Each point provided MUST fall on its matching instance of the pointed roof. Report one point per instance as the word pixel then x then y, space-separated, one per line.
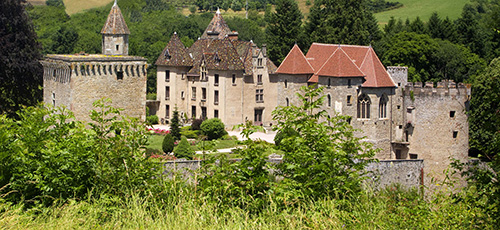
pixel 340 65
pixel 216 27
pixel 376 75
pixel 174 54
pixel 295 63
pixel 115 24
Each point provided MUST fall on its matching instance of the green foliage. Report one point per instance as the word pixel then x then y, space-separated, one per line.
pixel 248 129
pixel 342 22
pixel 168 144
pixel 191 134
pixel 151 96
pixel 284 29
pixel 195 125
pixel 322 159
pixel 20 71
pixel 175 129
pixel 213 128
pixel 46 155
pixel 247 30
pixel 382 5
pixel 152 120
pixel 282 134
pixel 184 150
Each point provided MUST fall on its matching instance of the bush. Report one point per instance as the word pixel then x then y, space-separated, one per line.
pixel 175 129
pixel 152 120
pixel 196 124
pixel 213 128
pixel 191 134
pixel 151 96
pixel 184 150
pixel 168 143
pixel 282 134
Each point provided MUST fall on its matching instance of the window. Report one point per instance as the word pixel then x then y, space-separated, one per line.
pixel 216 79
pixel 117 47
pixel 399 84
pixel 259 62
pixel 329 83
pixel 193 93
pixel 455 134
pixel 167 93
pixel 203 71
pixel 382 107
pixel 329 100
pixel 349 83
pixel 167 75
pixel 286 83
pixel 53 99
pixel 398 154
pixel 259 79
pixel 216 113
pixel 287 102
pixel 203 112
pixel 216 97
pixel 203 94
pixel 364 106
pixel 193 111
pixel 349 100
pixel 119 75
pixel 233 80
pixel 399 107
pixel 452 113
pixel 413 156
pixel 258 117
pixel 259 95
pixel 167 111
pixel 182 95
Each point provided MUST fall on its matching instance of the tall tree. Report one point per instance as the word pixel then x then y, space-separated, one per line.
pixel 283 29
pixel 435 26
pixel 484 116
pixel 472 34
pixel 20 71
pixel 342 21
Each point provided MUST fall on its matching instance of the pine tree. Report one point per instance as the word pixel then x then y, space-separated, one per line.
pixel 435 26
pixel 417 26
pixel 342 21
pixel 283 30
pixel 175 130
pixel 168 143
pixel 20 70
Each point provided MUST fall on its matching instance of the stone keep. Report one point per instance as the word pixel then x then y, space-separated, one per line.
pixel 76 81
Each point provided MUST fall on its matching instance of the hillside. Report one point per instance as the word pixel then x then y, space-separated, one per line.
pixel 424 9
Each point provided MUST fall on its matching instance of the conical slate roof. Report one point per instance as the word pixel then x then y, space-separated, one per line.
pixel 115 24
pixel 216 26
pixel 175 54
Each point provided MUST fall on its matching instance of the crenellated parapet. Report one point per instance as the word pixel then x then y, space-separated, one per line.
pixel 443 88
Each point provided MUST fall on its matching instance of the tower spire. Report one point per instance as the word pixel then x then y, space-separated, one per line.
pixel 115 3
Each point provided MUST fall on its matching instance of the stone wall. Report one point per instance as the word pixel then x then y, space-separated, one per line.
pixel 407 173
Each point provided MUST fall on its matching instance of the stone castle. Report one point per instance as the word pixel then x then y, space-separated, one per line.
pixel 221 76
pixel 76 81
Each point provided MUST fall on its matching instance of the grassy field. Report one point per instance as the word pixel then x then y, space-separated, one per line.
pixel 75 6
pixel 423 9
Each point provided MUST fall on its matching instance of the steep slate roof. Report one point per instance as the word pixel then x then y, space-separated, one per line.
pixel 218 54
pixel 174 54
pixel 115 24
pixel 217 25
pixel 295 63
pixel 343 61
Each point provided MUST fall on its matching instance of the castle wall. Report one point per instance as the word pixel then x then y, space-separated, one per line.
pixel 437 126
pixel 110 43
pixel 56 84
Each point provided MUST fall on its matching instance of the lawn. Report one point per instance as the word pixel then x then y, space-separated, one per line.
pixel 155 142
pixel 423 8
pixel 75 6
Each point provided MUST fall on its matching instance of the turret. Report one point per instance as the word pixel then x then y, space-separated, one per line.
pixel 115 33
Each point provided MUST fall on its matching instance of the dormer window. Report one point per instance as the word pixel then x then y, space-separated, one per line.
pixel 203 72
pixel 167 55
pixel 217 59
pixel 259 62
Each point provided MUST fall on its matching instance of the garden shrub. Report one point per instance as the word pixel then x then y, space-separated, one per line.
pixel 213 128
pixel 175 129
pixel 152 120
pixel 195 125
pixel 184 150
pixel 168 143
pixel 191 134
pixel 282 134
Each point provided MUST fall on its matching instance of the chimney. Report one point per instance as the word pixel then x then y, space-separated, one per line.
pixel 264 50
pixel 233 35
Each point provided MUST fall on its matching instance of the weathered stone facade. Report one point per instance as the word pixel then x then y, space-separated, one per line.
pixel 77 81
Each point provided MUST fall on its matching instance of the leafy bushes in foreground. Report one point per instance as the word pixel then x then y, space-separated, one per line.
pixel 45 155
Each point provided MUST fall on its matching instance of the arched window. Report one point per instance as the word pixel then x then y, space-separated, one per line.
pixel 287 102
pixel 329 100
pixel 286 83
pixel 382 107
pixel 364 106
pixel 329 82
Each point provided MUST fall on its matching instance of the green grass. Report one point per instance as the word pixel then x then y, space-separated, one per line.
pixel 155 142
pixel 423 8
pixel 75 6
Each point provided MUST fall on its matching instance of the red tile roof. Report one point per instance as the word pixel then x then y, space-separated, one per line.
pixel 115 24
pixel 339 61
pixel 339 65
pixel 295 63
